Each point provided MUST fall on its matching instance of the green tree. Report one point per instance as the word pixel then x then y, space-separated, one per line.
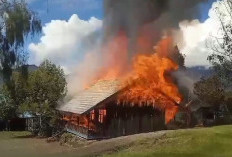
pixel 46 86
pixel 10 101
pixel 18 88
pixel 17 22
pixel 210 91
pixel 7 108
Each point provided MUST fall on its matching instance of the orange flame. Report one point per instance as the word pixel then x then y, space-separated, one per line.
pixel 115 60
pixel 150 83
pixel 170 113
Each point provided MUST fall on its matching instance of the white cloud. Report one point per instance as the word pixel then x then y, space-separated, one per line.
pixel 72 44
pixel 196 35
pixel 64 42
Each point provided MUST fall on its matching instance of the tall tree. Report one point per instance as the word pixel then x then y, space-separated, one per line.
pixel 221 58
pixel 12 98
pixel 17 22
pixel 221 45
pixel 210 91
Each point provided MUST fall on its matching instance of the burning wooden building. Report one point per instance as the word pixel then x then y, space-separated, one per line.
pixel 96 113
pixel 145 99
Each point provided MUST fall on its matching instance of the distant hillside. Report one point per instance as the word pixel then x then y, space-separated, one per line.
pixel 199 71
pixel 32 68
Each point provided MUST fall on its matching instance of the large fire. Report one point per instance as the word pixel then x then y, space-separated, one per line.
pixel 150 84
pixel 148 81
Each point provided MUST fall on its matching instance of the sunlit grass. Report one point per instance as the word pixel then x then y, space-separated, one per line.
pixel 207 142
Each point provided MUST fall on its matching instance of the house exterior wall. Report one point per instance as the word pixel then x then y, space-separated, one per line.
pixel 125 120
pixel 118 120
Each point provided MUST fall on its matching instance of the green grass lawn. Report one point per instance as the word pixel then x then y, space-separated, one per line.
pixel 206 142
pixel 202 142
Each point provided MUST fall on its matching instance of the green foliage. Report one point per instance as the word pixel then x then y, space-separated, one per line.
pixel 7 108
pixel 72 140
pixel 17 22
pixel 210 91
pixel 38 95
pixel 47 85
pixel 228 100
pixel 20 22
pixel 44 88
pixel 13 95
pixel 17 88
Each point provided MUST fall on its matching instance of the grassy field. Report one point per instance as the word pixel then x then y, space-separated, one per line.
pixel 204 142
pixel 207 142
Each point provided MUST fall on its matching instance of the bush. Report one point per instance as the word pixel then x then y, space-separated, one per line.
pixel 72 140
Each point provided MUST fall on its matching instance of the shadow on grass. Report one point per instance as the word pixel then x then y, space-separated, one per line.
pixel 24 136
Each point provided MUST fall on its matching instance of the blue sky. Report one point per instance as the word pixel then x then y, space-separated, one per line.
pixel 63 9
pixel 205 9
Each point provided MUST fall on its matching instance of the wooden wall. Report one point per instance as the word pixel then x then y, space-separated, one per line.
pixel 126 120
pixel 120 120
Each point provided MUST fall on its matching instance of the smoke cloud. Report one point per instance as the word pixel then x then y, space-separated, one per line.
pixel 149 21
pixel 134 17
pixel 77 45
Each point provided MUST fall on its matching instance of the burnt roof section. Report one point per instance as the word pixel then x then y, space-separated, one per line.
pixel 91 97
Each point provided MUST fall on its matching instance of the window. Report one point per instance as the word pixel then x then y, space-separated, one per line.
pixel 92 115
pixel 102 114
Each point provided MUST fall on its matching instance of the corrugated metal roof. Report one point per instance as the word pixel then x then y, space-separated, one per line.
pixel 91 96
